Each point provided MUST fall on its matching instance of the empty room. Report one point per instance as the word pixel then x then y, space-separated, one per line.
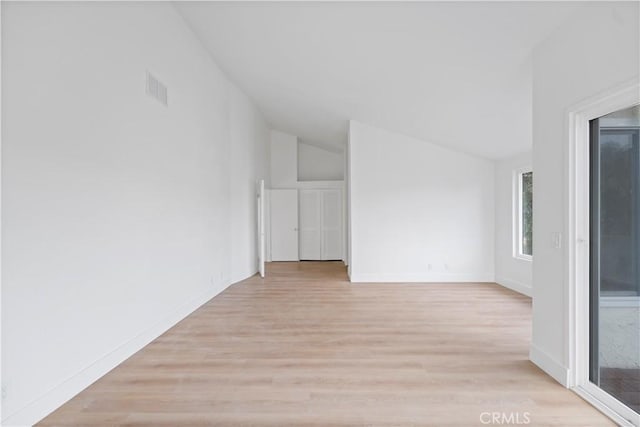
pixel 320 213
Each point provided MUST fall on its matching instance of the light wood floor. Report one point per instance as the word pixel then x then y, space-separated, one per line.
pixel 306 348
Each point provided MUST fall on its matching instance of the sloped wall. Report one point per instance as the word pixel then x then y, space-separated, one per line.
pixel 318 164
pixel 120 215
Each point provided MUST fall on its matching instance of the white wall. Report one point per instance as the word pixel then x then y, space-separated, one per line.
pixel 514 273
pixel 416 205
pixel 318 164
pixel 594 51
pixel 248 139
pixel 284 159
pixel 120 215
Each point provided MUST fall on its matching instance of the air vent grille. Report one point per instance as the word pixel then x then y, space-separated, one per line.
pixel 156 89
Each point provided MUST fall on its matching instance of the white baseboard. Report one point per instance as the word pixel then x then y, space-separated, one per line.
pixel 548 364
pixel 243 276
pixel 515 286
pixel 56 397
pixel 420 278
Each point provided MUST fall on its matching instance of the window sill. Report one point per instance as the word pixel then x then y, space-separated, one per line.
pixel 528 258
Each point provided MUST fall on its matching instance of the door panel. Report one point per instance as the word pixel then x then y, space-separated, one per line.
pixel 310 233
pixel 331 225
pixel 261 231
pixel 614 340
pixel 284 225
pixel 321 224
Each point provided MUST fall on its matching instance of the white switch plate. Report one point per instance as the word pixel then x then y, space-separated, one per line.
pixel 556 240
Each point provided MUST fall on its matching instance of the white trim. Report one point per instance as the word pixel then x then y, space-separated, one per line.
pixel 260 205
pixel 523 257
pixel 514 285
pixel 548 364
pixel 419 278
pixel 54 398
pixel 348 186
pixel 577 248
pixel 2 388
pixel 311 185
pixel 604 402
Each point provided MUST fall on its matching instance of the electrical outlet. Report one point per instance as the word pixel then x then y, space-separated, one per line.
pixel 4 392
pixel 429 267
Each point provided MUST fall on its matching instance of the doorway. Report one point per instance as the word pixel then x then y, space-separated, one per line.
pixel 604 254
pixel 614 283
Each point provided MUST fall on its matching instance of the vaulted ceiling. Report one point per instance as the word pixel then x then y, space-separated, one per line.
pixel 453 73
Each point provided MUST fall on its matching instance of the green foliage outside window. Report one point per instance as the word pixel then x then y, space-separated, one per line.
pixel 527 213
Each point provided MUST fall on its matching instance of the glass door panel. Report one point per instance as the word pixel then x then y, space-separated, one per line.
pixel 614 362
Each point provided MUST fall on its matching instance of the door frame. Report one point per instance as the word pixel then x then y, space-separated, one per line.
pixel 578 252
pixel 261 228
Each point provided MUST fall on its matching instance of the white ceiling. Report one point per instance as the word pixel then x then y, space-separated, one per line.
pixel 457 74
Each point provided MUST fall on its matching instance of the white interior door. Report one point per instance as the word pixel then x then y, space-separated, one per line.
pixel 261 232
pixel 321 224
pixel 331 224
pixel 310 220
pixel 284 225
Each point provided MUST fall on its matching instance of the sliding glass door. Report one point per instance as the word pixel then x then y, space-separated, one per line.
pixel 614 315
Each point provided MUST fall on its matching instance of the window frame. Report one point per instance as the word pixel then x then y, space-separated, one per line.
pixel 517 217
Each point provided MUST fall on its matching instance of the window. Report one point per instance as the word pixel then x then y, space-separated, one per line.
pixel 523 220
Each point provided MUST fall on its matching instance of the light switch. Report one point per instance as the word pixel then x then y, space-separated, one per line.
pixel 556 240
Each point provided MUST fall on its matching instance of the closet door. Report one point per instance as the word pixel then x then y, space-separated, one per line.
pixel 331 224
pixel 310 222
pixel 261 224
pixel 284 225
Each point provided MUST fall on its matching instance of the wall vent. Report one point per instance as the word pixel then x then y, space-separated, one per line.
pixel 156 89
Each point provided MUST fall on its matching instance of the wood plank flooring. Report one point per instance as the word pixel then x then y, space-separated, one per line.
pixel 306 348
